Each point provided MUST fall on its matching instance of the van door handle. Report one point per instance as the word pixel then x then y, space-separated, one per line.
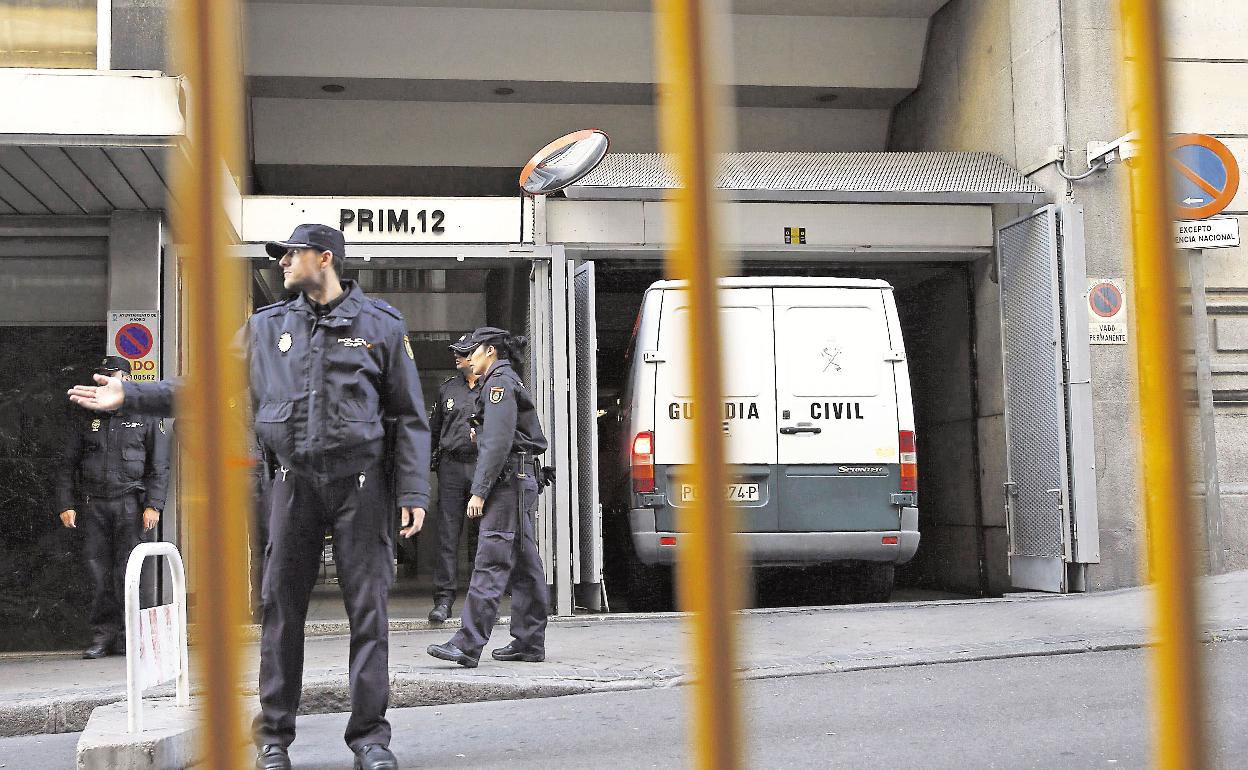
pixel 788 431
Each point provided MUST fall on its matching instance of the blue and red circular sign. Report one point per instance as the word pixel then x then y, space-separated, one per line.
pixel 1105 300
pixel 1204 175
pixel 133 341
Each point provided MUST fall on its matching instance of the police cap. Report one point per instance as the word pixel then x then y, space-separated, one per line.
pixel 462 346
pixel 319 237
pixel 486 335
pixel 110 364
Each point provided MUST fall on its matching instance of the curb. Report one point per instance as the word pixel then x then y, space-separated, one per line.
pixel 321 628
pixel 331 694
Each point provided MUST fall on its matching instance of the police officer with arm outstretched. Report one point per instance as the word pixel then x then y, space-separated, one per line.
pixel 455 460
pixel 504 497
pixel 328 367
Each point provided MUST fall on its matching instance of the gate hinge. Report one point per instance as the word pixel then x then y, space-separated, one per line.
pixel 1011 489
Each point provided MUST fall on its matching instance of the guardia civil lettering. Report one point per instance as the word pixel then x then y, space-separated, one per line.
pixel 733 410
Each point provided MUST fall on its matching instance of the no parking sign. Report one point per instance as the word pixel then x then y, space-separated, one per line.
pixel 136 337
pixel 1107 312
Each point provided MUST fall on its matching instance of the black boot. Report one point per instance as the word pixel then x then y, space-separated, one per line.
pixel 440 613
pixel 514 653
pixel 272 757
pixel 452 653
pixel 374 756
pixel 97 650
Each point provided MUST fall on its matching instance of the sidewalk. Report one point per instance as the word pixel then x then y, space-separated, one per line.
pixel 611 652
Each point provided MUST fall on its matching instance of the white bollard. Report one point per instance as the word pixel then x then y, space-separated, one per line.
pixel 134 569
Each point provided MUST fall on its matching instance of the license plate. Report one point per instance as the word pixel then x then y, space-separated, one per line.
pixel 735 493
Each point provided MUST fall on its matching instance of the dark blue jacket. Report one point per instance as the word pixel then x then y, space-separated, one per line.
pixel 509 425
pixel 110 454
pixel 448 423
pixel 154 398
pixel 322 387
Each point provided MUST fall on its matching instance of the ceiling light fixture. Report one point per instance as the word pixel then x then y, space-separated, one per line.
pixel 333 88
pixel 504 91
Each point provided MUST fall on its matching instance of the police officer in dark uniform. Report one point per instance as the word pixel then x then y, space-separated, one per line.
pixel 504 497
pixel 120 463
pixel 327 367
pixel 455 460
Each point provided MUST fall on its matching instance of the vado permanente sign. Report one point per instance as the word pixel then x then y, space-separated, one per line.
pixel 136 337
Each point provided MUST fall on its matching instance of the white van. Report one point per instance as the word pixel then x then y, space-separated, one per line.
pixel 818 423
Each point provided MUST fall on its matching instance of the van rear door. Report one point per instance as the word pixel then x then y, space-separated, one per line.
pixel 748 413
pixel 837 403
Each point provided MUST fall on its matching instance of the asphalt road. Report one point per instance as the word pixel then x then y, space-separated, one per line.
pixel 1063 711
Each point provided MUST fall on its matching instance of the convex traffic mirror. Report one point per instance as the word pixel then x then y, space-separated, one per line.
pixel 565 161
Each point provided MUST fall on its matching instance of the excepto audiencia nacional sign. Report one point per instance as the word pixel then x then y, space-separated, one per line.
pixel 1215 233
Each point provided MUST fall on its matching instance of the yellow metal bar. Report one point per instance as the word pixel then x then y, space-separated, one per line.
pixel 1177 700
pixel 212 402
pixel 710 567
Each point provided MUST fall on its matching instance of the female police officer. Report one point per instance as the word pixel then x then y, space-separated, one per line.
pixel 504 497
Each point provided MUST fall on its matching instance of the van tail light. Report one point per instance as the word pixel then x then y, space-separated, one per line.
pixel 909 461
pixel 643 462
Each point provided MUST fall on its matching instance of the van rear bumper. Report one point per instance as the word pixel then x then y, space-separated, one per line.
pixel 780 548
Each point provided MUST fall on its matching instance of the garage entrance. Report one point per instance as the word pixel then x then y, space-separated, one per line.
pixel 570 272
pixel 935 303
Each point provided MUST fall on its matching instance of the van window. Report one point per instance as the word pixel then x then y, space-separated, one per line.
pixel 840 351
pixel 744 329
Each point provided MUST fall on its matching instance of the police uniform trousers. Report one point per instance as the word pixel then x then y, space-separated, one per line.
pixel 507 551
pixel 112 527
pixel 454 491
pixel 357 510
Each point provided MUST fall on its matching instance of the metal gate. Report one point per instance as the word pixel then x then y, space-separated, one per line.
pixel 559 373
pixel 1050 473
pixel 589 508
pixel 541 384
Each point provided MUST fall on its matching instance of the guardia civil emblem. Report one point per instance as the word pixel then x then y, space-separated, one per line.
pixel 285 341
pixel 450 404
pixel 496 395
pixel 95 425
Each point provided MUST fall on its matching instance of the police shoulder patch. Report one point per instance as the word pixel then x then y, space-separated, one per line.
pixel 161 424
pixel 407 345
pixel 496 394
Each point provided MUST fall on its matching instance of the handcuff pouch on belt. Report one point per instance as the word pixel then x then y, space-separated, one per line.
pixel 526 463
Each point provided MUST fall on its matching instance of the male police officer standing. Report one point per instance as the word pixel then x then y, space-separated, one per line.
pixel 327 367
pixel 504 497
pixel 455 460
pixel 121 461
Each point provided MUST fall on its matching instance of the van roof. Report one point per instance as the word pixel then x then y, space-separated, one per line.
pixel 775 281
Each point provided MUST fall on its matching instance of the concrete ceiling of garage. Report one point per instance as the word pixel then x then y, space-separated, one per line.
pixel 428 97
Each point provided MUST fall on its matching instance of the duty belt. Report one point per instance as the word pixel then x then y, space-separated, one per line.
pixel 461 456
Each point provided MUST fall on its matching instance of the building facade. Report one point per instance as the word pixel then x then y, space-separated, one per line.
pixel 909 139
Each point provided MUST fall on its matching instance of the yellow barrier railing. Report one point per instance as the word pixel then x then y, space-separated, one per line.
pixel 710 568
pixel 206 36
pixel 1176 698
